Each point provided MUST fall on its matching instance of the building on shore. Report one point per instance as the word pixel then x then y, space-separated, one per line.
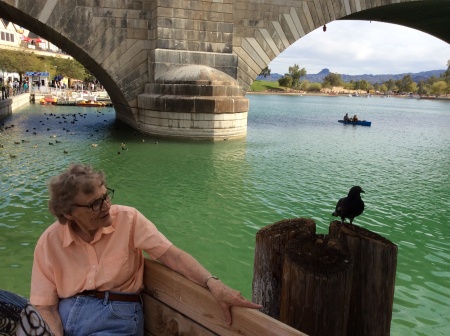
pixel 16 38
pixel 13 36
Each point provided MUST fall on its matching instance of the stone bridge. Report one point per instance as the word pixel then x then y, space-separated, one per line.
pixel 181 68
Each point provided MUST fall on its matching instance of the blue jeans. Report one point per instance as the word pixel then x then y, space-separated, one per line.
pixel 84 315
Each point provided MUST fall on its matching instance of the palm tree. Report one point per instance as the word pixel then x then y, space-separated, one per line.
pixel 296 73
pixel 265 72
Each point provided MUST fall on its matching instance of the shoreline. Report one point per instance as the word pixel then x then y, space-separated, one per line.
pixel 327 94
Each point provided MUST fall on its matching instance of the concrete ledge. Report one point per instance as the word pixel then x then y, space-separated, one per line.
pixel 195 134
pixel 20 100
pixel 194 126
pixel 5 108
pixel 8 106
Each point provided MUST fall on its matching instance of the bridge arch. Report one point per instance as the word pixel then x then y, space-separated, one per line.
pixel 129 45
pixel 65 39
pixel 272 28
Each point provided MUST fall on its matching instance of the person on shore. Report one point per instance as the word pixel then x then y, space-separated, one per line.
pixel 3 88
pixel 346 117
pixel 10 89
pixel 88 266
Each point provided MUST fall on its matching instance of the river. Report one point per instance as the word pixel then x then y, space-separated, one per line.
pixel 211 198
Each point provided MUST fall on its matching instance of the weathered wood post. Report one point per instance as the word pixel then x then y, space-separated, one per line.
pixel 316 286
pixel 271 242
pixel 375 264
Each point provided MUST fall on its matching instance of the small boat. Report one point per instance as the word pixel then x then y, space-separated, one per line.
pixel 90 103
pixel 48 99
pixel 359 122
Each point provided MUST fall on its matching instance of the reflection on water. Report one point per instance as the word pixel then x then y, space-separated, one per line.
pixel 211 199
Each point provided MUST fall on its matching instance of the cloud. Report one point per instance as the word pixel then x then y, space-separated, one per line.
pixel 363 47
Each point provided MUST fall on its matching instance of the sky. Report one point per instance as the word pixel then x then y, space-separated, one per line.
pixel 364 47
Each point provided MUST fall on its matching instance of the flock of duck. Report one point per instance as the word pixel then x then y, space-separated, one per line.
pixel 50 118
pixel 63 119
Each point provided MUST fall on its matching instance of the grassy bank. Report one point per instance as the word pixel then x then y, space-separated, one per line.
pixel 261 86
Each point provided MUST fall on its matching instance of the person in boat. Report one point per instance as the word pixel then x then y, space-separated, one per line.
pixel 355 118
pixel 346 117
pixel 88 265
pixel 19 317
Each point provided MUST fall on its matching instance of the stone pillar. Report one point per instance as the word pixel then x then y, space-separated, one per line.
pixel 194 102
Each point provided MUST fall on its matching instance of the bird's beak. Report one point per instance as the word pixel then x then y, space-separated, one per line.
pixel 362 191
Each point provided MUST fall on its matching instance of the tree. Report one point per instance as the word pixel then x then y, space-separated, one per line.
pixel 265 72
pixel 285 81
pixel 305 85
pixel 362 85
pixel 332 79
pixel 439 88
pixel 406 84
pixel 446 76
pixel 398 85
pixel 432 80
pixel 296 73
pixel 315 87
pixel 27 62
pixel 413 87
pixel 349 85
pixel 423 88
pixel 390 84
pixel 67 68
pixel 5 63
pixel 20 62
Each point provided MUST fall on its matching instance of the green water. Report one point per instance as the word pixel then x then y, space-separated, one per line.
pixel 211 199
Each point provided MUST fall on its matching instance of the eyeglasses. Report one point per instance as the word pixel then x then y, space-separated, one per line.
pixel 98 203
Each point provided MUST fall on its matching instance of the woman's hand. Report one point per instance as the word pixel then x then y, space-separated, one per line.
pixel 227 297
pixel 182 262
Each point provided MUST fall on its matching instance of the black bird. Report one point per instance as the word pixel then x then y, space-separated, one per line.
pixel 350 206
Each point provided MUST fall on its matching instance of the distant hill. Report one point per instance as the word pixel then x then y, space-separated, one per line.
pixel 318 78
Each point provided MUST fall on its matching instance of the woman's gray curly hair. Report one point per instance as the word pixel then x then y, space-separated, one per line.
pixel 66 186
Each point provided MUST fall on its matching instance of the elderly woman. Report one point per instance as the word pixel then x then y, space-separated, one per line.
pixel 88 265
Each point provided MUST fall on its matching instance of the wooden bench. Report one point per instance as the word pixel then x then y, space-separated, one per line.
pixel 174 305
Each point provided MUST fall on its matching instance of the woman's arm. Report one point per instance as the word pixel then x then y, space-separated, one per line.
pixel 51 316
pixel 185 264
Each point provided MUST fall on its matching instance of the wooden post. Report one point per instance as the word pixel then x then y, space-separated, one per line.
pixel 316 286
pixel 375 264
pixel 271 243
